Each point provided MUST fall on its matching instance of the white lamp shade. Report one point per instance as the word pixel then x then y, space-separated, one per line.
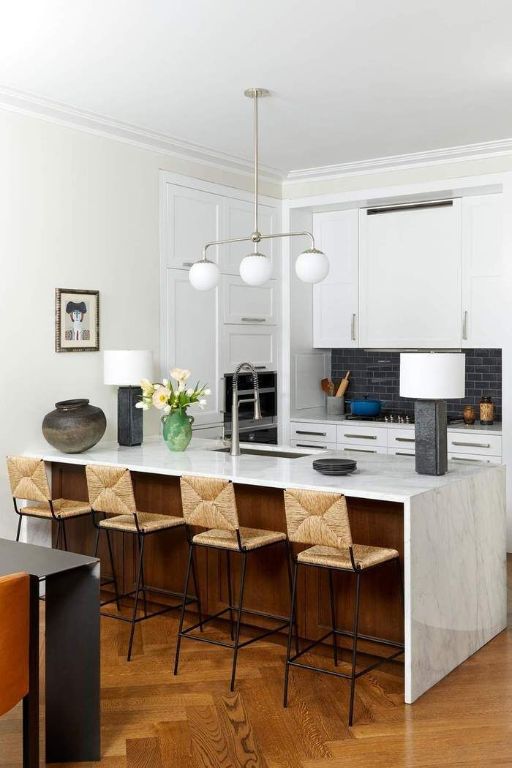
pixel 255 269
pixel 127 367
pixel 204 275
pixel 312 266
pixel 432 375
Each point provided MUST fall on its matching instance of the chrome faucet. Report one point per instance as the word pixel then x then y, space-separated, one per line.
pixel 235 437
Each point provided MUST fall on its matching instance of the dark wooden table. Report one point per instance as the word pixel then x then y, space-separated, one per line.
pixel 72 646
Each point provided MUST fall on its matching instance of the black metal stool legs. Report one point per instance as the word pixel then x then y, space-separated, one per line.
pixel 293 619
pixel 183 606
pixel 138 589
pixel 19 528
pixel 354 648
pixel 333 619
pixel 114 577
pixel 238 619
pixel 230 595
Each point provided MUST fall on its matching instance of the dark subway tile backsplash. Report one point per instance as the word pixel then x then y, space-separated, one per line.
pixel 377 374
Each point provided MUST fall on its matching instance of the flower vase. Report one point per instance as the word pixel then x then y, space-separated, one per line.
pixel 177 430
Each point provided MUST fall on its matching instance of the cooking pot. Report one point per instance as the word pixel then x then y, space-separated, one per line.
pixel 365 407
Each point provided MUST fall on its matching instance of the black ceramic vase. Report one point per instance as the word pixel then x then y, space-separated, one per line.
pixel 74 426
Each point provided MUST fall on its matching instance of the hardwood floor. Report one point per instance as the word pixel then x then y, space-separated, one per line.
pixel 154 720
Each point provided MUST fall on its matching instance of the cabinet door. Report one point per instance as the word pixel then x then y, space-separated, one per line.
pixel 240 223
pixel 249 304
pixel 193 219
pixel 482 268
pixel 252 344
pixel 191 338
pixel 410 277
pixel 335 299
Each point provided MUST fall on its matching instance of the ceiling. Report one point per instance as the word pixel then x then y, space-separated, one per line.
pixel 351 80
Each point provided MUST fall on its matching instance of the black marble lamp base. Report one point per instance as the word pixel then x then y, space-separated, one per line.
pixel 129 418
pixel 431 437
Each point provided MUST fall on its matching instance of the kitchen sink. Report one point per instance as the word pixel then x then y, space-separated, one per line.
pixel 258 452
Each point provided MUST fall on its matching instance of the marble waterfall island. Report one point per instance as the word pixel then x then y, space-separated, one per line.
pixel 449 530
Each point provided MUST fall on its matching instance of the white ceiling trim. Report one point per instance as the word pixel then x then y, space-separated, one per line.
pixel 55 112
pixel 90 122
pixel 401 162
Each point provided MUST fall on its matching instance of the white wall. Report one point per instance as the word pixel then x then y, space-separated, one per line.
pixel 76 211
pixel 307 365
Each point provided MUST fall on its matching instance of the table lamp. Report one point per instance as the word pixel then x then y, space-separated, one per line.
pixel 125 368
pixel 431 378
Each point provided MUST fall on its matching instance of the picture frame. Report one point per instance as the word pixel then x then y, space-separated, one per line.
pixel 77 320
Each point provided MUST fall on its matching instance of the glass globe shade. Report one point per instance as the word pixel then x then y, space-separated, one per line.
pixel 204 275
pixel 255 269
pixel 312 266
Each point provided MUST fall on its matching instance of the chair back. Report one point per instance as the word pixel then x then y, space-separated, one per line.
pixel 110 490
pixel 14 639
pixel 28 479
pixel 314 517
pixel 209 502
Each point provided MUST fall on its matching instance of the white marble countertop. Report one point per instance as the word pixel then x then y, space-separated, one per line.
pixel 379 476
pixel 319 414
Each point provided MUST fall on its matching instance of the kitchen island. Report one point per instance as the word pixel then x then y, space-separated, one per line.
pixel 449 531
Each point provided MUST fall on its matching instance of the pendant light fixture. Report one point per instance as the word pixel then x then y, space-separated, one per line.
pixel 312 265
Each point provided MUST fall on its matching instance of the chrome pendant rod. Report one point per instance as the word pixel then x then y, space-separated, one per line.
pixel 256 161
pixel 257 240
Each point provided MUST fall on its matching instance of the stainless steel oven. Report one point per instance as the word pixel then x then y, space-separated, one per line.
pixel 261 431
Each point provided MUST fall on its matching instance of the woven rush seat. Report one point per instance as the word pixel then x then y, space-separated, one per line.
pixel 147 522
pixel 61 507
pixel 252 538
pixel 29 483
pixel 331 557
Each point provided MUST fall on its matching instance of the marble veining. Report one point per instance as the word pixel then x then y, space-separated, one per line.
pixel 456 576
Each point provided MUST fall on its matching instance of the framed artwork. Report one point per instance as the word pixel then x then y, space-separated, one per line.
pixel 77 320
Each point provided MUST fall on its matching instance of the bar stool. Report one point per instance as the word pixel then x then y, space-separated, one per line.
pixel 111 495
pixel 28 481
pixel 210 503
pixel 322 519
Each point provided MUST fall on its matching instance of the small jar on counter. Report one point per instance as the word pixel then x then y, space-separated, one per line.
pixel 469 414
pixel 486 410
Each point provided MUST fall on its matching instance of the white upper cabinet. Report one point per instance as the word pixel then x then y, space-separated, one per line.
pixel 482 268
pixel 335 299
pixel 191 338
pixel 249 304
pixel 254 344
pixel 240 223
pixel 410 277
pixel 193 218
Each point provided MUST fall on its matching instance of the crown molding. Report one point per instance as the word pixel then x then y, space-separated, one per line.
pixel 100 125
pixel 402 162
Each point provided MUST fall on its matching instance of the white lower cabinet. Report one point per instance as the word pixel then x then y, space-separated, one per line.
pixel 313 432
pixel 472 447
pixel 401 451
pixel 362 437
pixel 464 458
pixel 319 445
pixel 353 449
pixel 474 443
